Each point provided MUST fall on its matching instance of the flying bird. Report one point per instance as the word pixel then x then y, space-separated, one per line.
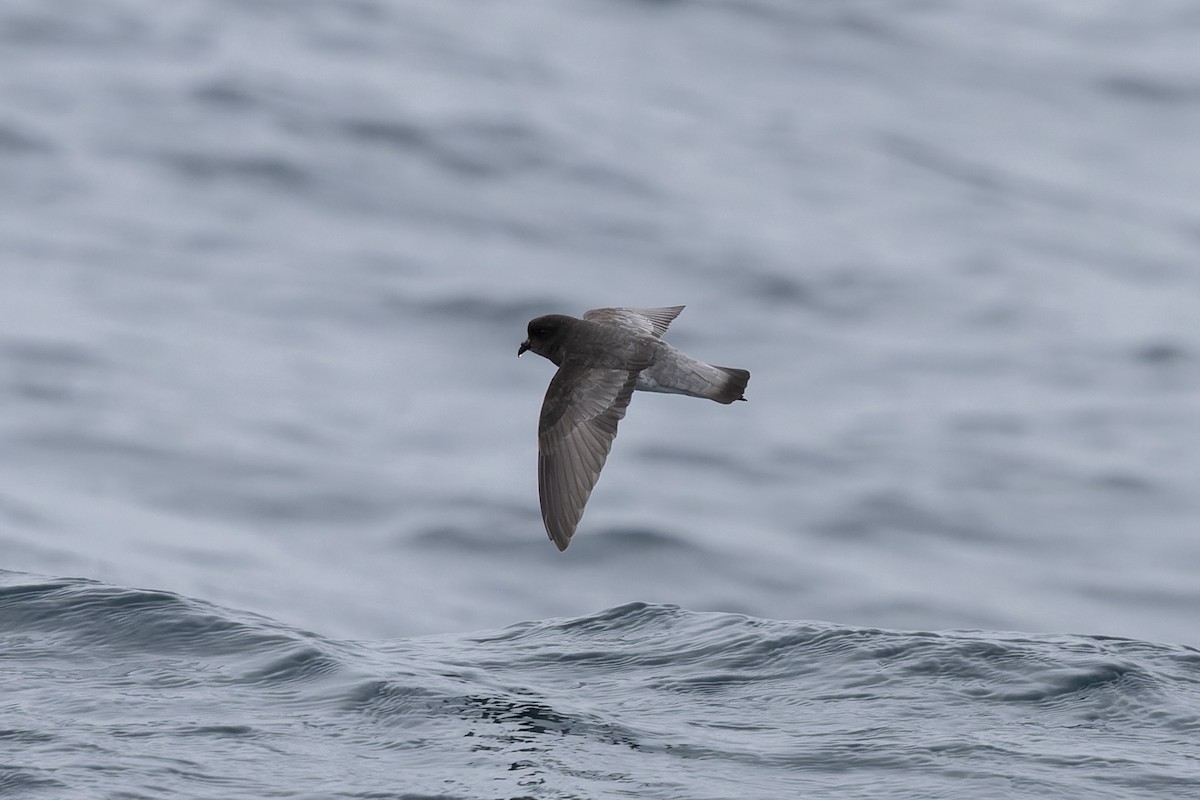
pixel 601 360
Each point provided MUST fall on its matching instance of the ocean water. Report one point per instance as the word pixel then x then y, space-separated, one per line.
pixel 268 502
pixel 185 699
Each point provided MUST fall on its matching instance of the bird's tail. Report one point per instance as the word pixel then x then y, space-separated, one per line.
pixel 680 374
pixel 733 387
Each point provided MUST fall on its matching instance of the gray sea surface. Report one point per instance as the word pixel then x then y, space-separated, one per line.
pixel 268 459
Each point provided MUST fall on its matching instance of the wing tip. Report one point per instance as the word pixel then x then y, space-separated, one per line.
pixel 556 533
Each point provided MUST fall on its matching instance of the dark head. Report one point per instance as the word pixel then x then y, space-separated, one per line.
pixel 547 335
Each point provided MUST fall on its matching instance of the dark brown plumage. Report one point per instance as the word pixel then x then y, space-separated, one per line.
pixel 601 360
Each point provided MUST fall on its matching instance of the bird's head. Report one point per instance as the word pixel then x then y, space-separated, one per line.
pixel 547 335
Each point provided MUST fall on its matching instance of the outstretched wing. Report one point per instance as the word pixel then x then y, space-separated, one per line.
pixel 650 321
pixel 579 421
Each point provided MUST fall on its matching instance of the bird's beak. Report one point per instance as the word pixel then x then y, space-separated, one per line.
pixel 524 346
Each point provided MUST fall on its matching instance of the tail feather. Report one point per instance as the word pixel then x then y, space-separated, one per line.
pixel 676 373
pixel 733 388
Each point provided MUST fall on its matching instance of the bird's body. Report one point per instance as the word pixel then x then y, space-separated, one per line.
pixel 601 360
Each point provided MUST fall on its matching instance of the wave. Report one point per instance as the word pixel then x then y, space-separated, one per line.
pixel 112 688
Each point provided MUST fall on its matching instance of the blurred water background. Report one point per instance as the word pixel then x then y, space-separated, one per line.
pixel 264 266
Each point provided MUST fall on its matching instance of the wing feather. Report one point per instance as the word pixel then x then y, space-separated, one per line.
pixel 650 321
pixel 579 421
